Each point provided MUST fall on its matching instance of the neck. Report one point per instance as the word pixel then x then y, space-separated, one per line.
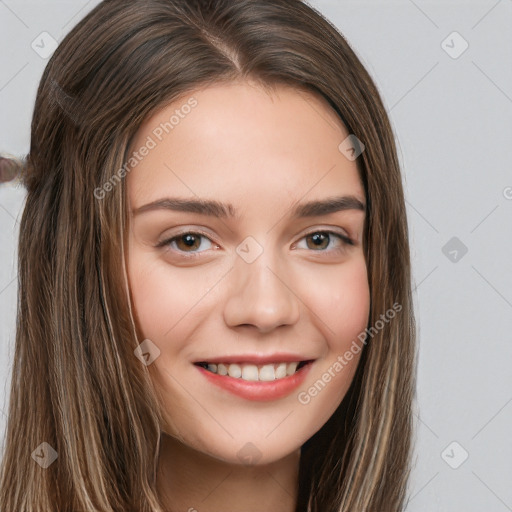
pixel 191 481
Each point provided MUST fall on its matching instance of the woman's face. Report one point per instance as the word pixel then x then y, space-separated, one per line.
pixel 252 278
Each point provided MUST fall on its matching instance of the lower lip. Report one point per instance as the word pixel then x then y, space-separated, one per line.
pixel 255 390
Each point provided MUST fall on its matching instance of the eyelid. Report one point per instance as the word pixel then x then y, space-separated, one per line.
pixel 186 231
pixel 330 230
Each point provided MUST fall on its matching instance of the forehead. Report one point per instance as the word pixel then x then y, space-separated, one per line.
pixel 239 140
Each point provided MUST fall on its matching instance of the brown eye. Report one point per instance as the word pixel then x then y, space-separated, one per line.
pixel 319 241
pixel 188 242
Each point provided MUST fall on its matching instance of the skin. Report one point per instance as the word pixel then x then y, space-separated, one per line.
pixel 262 152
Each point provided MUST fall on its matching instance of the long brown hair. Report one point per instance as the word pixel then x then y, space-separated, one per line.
pixel 76 384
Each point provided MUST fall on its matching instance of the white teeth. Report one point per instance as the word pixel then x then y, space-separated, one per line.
pixel 249 372
pixel 252 372
pixel 235 371
pixel 281 371
pixel 290 368
pixel 267 373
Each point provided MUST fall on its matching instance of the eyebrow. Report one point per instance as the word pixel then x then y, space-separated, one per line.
pixel 222 210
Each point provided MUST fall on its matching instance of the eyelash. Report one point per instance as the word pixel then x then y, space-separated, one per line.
pixel 344 239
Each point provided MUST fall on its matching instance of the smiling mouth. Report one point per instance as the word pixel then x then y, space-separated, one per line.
pixel 252 372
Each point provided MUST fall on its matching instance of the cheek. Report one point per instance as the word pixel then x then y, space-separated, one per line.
pixel 341 306
pixel 351 304
pixel 163 298
pixel 149 297
pixel 166 305
pixel 341 302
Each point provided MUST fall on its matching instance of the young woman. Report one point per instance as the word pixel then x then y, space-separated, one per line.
pixel 215 308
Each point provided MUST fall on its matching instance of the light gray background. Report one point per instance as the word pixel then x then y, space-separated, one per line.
pixel 452 119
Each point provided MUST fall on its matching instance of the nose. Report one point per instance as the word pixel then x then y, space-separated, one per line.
pixel 260 296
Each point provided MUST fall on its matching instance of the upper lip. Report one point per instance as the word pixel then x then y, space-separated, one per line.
pixel 256 358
